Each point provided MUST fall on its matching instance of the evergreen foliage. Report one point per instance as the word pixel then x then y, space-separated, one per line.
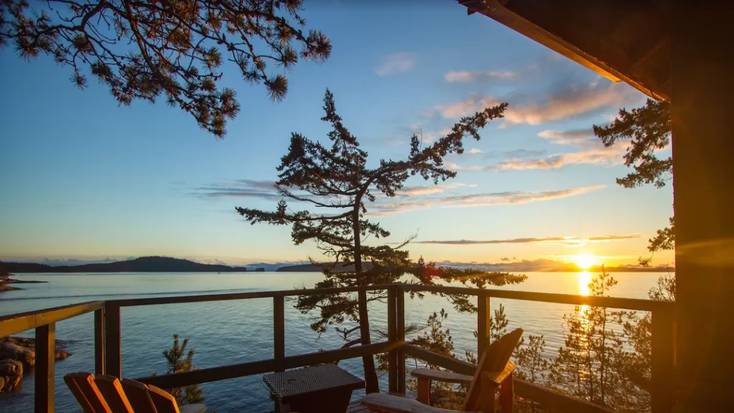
pixel 647 129
pixel 145 49
pixel 180 361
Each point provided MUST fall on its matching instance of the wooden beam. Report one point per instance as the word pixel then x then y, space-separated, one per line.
pixel 609 302
pixel 440 360
pixel 263 366
pixel 279 332
pixel 555 401
pixel 703 192
pixel 45 368
pixel 179 299
pixel 99 342
pixel 113 340
pixel 484 323
pixel 663 361
pixel 392 336
pixel 498 11
pixel 400 337
pixel 16 323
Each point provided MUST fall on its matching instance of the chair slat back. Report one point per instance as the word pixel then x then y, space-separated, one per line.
pixel 113 393
pixel 86 393
pixel 494 359
pixel 163 400
pixel 139 396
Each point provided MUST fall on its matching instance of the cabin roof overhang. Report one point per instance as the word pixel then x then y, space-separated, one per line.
pixel 620 40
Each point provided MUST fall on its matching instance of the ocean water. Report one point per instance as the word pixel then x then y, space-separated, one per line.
pixel 229 332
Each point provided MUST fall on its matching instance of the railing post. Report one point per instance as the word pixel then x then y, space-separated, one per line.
pixel 484 321
pixel 279 332
pixel 400 336
pixel 99 342
pixel 663 360
pixel 45 368
pixel 392 356
pixel 113 340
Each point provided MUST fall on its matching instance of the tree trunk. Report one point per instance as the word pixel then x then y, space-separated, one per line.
pixel 370 374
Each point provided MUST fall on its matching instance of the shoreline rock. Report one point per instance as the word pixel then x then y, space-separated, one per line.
pixel 18 356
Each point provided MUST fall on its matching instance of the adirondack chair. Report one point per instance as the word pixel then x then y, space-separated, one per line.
pixel 493 374
pixel 107 394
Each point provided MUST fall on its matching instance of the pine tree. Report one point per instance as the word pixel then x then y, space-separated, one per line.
pixel 337 184
pixel 647 129
pixel 179 361
pixel 145 49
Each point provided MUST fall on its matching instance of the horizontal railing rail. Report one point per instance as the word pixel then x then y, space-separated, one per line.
pixel 609 302
pixel 108 340
pixel 16 323
pixel 263 366
pixel 179 299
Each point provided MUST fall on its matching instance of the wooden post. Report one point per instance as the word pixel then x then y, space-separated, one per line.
pixel 279 332
pixel 703 195
pixel 400 336
pixel 45 368
pixel 663 361
pixel 484 320
pixel 113 340
pixel 392 356
pixel 99 342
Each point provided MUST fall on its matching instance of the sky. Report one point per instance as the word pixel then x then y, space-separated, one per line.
pixel 84 178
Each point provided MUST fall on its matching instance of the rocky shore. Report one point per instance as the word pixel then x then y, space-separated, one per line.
pixel 5 282
pixel 17 356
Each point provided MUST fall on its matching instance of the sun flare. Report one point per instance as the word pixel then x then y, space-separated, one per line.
pixel 585 261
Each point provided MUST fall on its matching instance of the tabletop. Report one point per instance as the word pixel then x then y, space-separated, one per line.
pixel 310 379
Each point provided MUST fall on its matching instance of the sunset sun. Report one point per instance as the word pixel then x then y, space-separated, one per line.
pixel 585 261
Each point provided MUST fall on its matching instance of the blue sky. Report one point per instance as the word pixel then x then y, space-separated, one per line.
pixel 85 178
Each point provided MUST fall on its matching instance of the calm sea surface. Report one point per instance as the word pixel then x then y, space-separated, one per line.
pixel 230 332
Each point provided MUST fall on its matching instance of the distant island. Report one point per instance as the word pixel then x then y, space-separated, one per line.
pixel 142 264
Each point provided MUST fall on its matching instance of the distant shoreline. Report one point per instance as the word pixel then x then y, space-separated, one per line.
pixel 174 265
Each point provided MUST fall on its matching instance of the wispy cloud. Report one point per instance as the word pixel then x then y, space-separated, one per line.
pixel 528 240
pixel 592 152
pixel 430 189
pixel 465 76
pixel 395 63
pixel 598 156
pixel 481 200
pixel 569 137
pixel 241 188
pixel 560 104
pixel 572 101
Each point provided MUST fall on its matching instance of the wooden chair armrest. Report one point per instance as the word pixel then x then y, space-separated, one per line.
pixel 442 375
pixel 497 377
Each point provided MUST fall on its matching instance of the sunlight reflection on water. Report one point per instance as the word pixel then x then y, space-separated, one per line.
pixel 582 311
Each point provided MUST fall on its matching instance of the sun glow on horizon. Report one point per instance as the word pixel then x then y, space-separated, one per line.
pixel 585 261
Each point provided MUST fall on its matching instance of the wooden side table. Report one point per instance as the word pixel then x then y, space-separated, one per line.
pixel 319 389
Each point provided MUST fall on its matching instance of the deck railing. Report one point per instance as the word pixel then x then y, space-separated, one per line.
pixel 108 339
